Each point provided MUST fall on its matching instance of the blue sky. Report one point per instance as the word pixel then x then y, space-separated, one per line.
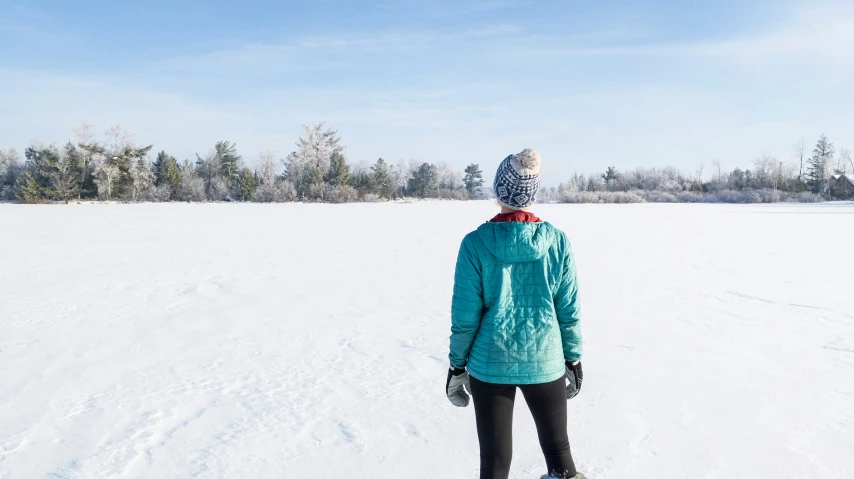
pixel 589 84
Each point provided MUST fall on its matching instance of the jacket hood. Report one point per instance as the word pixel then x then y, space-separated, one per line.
pixel 516 242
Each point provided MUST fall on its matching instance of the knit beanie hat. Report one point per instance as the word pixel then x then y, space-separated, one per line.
pixel 518 180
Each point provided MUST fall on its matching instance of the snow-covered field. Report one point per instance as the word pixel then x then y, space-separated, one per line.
pixel 310 341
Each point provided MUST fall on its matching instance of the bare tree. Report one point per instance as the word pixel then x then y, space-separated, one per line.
pixel 118 138
pixel 270 188
pixel 401 174
pixel 106 175
pixel 449 178
pixel 142 180
pixel 765 170
pixel 799 153
pixel 192 187
pixel 717 165
pixel 845 161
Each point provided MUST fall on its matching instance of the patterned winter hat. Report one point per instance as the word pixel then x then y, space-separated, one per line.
pixel 518 180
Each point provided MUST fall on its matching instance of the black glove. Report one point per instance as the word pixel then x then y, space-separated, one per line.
pixel 574 375
pixel 457 388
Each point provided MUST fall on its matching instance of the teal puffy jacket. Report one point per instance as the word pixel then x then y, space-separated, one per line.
pixel 515 312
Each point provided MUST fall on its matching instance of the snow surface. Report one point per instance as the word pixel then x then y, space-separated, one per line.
pixel 303 341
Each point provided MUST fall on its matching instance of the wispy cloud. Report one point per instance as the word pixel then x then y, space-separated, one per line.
pixel 326 52
pixel 831 40
pixel 404 39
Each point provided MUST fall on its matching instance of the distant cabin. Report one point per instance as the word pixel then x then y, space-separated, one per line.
pixel 841 187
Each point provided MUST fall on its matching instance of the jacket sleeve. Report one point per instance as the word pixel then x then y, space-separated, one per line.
pixel 467 304
pixel 567 308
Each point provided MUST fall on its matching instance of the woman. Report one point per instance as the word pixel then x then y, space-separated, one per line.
pixel 515 324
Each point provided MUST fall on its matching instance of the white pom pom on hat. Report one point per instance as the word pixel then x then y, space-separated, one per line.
pixel 527 162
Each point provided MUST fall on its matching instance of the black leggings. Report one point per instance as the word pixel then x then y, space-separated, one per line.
pixel 493 406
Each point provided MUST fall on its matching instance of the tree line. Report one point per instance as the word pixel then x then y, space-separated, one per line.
pixel 803 178
pixel 117 168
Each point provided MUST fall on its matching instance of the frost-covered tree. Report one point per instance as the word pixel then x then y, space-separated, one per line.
pixel 449 180
pixel 208 168
pixel 229 161
pixel 65 177
pixel 10 169
pixel 362 178
pixel 400 176
pixel 219 169
pixel 167 175
pixel 39 167
pixel 106 177
pixel 218 190
pixel 271 187
pixel 83 133
pixel 142 181
pixel 799 152
pixel 381 179
pixel 192 186
pixel 473 179
pixel 611 174
pixel 310 163
pixel 822 155
pixel 114 161
pixel 844 162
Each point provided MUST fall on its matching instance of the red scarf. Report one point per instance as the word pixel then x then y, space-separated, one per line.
pixel 517 216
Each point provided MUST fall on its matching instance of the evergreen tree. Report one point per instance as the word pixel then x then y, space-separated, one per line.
pixel 126 160
pixel 167 173
pixel 27 189
pixel 208 169
pixel 822 155
pixel 737 179
pixel 40 165
pixel 339 170
pixel 362 180
pixel 611 174
pixel 307 167
pixel 425 181
pixel 473 179
pixel 94 157
pixel 381 177
pixel 10 169
pixel 77 168
pixel 65 178
pixel 229 161
pixel 315 176
pixel 246 184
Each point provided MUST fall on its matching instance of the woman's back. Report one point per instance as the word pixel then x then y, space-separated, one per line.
pixel 515 304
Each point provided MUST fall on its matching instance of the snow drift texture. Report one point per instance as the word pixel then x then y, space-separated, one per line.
pixel 300 341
